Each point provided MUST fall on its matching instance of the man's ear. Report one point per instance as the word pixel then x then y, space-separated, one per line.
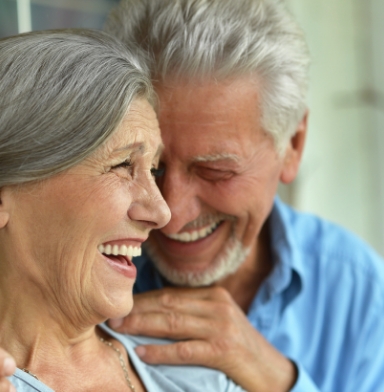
pixel 294 152
pixel 4 214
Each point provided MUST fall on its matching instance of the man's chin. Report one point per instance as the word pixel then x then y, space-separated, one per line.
pixel 226 263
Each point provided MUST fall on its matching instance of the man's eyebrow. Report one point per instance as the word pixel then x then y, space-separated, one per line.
pixel 216 157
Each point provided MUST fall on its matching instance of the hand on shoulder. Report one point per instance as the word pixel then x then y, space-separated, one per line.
pixel 7 368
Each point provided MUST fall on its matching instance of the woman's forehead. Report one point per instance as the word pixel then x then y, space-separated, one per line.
pixel 138 131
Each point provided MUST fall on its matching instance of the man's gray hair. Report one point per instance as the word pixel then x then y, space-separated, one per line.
pixel 63 93
pixel 222 39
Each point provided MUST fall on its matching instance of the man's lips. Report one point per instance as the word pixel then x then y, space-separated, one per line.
pixel 180 248
pixel 194 235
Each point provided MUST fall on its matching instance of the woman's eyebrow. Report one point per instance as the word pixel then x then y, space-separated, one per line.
pixel 138 146
pixel 160 150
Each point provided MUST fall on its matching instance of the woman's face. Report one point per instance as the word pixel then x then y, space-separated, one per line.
pixel 61 229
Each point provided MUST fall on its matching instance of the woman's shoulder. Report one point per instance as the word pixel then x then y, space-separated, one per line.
pixel 180 378
pixel 174 378
pixel 24 382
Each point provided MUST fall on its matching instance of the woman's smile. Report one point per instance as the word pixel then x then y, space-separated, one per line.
pixel 119 254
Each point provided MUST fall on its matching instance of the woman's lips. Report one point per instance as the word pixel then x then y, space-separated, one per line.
pixel 119 253
pixel 120 250
pixel 122 264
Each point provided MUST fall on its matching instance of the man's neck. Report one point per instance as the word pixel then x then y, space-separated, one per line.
pixel 246 281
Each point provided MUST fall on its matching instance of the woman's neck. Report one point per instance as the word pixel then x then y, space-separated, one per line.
pixel 64 354
pixel 33 329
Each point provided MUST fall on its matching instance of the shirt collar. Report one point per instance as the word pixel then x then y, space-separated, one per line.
pixel 288 270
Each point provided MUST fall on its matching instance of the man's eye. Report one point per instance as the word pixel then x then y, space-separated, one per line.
pixel 213 174
pixel 157 172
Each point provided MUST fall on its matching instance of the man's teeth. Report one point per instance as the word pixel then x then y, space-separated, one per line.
pixel 122 250
pixel 194 235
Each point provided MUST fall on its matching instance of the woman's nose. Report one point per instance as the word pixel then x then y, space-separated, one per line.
pixel 149 206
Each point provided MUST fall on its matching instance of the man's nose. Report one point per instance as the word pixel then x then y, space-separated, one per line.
pixel 180 191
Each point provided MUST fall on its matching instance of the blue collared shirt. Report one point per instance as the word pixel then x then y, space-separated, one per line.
pixel 322 306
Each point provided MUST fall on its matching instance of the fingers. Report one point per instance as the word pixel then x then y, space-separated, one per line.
pixel 166 314
pixel 7 368
pixel 165 300
pixel 173 325
pixel 6 386
pixel 172 297
pixel 7 364
pixel 180 353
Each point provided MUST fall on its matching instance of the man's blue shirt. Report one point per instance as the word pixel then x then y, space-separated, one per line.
pixel 322 305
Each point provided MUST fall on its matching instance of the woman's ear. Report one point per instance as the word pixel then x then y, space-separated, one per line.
pixel 294 152
pixel 4 214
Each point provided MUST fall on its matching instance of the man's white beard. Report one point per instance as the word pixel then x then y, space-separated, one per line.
pixel 224 264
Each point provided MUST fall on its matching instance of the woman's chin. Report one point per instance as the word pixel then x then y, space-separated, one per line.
pixel 114 309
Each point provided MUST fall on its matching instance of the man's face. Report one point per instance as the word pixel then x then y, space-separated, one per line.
pixel 221 176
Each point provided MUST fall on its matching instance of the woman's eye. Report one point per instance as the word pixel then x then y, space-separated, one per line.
pixel 157 172
pixel 127 164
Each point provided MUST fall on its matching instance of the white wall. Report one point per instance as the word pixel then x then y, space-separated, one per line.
pixel 377 111
pixel 339 178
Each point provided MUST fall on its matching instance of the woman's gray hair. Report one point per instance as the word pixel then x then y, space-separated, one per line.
pixel 222 39
pixel 63 93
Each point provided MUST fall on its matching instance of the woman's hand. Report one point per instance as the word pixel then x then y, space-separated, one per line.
pixel 7 368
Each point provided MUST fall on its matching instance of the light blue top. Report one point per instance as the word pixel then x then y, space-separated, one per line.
pixel 155 378
pixel 322 306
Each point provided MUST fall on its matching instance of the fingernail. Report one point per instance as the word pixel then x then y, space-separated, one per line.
pixel 9 366
pixel 115 323
pixel 140 351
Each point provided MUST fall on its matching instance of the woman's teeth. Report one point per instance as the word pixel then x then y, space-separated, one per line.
pixel 122 250
pixel 195 234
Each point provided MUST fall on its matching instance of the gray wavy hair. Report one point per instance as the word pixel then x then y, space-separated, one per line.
pixel 63 93
pixel 221 39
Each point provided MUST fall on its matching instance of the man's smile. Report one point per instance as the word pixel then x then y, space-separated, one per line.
pixel 194 235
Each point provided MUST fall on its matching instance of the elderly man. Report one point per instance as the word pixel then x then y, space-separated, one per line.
pixel 286 300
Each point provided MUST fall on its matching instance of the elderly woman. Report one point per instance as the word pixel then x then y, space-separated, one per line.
pixel 79 150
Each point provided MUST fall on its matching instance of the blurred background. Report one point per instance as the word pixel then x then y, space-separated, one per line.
pixel 341 177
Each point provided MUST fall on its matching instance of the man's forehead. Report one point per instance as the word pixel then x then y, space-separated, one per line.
pixel 223 104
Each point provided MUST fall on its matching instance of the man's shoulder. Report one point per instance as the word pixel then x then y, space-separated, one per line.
pixel 330 248
pixel 313 233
